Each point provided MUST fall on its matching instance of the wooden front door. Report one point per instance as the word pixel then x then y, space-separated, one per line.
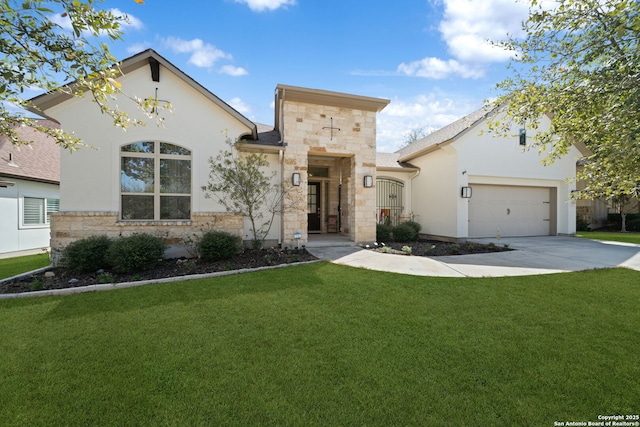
pixel 313 207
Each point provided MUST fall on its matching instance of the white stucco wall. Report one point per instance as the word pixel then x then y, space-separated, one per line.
pixel 14 236
pixel 502 161
pixel 434 196
pixel 90 178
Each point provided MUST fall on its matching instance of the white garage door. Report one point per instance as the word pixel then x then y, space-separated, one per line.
pixel 510 211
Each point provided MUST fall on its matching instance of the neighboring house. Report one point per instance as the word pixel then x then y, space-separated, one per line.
pixel 322 148
pixel 29 191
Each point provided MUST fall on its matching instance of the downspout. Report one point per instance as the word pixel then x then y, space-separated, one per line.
pixel 281 158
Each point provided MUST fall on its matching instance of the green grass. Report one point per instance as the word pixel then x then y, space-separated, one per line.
pixel 611 236
pixel 10 267
pixel 323 345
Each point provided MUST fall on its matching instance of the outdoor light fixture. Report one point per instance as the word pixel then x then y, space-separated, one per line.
pixel 295 179
pixel 465 192
pixel 368 181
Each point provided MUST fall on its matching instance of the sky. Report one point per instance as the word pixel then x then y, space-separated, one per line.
pixel 430 58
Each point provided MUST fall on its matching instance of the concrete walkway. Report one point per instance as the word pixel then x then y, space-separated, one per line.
pixel 532 255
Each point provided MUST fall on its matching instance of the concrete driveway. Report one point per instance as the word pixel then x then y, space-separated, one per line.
pixel 532 255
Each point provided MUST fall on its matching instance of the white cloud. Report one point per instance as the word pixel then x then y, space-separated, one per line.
pixel 240 106
pixel 138 47
pixel 262 5
pixel 468 24
pixel 426 111
pixel 466 27
pixel 129 22
pixel 435 68
pixel 233 71
pixel 202 54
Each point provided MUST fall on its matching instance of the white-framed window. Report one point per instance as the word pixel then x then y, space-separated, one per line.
pixel 155 181
pixel 36 211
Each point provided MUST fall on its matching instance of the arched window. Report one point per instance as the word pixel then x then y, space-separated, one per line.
pixel 389 200
pixel 155 181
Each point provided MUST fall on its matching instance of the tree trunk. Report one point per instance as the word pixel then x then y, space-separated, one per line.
pixel 623 215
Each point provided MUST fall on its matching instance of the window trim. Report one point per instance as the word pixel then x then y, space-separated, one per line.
pixel 157 194
pixel 49 205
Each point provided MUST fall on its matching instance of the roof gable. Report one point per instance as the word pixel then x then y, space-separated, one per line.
pixel 444 135
pixel 152 59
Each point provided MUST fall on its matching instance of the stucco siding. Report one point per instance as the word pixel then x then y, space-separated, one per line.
pixel 90 177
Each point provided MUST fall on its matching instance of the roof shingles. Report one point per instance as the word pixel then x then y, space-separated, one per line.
pixel 39 161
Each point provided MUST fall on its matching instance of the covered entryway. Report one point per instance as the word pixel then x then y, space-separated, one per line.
pixel 511 211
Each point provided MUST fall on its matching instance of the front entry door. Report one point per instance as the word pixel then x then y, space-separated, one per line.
pixel 313 206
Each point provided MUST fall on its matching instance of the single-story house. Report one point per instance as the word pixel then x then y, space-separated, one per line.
pixel 29 191
pixel 457 183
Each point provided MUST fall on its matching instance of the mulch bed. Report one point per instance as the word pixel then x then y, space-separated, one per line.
pixel 433 248
pixel 247 259
pixel 168 268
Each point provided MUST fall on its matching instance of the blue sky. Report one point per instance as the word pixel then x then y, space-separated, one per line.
pixel 429 57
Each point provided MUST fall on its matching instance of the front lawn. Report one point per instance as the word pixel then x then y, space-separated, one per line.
pixel 10 267
pixel 611 236
pixel 324 344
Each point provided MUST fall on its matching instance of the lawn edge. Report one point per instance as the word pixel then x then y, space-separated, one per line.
pixel 124 285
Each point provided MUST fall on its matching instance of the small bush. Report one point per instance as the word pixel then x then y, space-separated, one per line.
pixel 88 254
pixel 218 245
pixel 633 225
pixel 383 231
pixel 413 225
pixel 135 253
pixel 404 232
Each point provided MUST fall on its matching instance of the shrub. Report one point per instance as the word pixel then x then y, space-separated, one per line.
pixel 413 225
pixel 382 232
pixel 88 254
pixel 218 245
pixel 135 253
pixel 633 225
pixel 404 232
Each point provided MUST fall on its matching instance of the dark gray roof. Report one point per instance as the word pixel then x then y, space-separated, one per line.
pixel 443 135
pixel 267 135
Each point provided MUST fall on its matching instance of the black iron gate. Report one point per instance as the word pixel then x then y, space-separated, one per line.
pixel 389 200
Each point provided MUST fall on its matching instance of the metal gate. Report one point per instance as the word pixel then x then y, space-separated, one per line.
pixel 389 200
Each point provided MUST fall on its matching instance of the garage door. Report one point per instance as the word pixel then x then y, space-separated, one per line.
pixel 510 211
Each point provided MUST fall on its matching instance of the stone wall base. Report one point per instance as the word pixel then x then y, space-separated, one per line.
pixel 67 227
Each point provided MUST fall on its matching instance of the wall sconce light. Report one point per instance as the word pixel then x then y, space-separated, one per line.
pixel 368 181
pixel 295 179
pixel 465 192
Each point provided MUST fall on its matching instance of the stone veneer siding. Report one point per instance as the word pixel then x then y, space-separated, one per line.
pixel 67 227
pixel 302 128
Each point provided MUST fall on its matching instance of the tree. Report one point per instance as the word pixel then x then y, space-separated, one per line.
pixel 579 63
pixel 240 183
pixel 37 52
pixel 415 135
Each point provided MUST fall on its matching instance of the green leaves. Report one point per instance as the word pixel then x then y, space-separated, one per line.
pixel 580 64
pixel 36 52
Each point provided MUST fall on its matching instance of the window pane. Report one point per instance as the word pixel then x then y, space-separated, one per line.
pixel 175 176
pixel 137 207
pixel 33 211
pixel 136 175
pixel 53 205
pixel 139 147
pixel 175 207
pixel 173 149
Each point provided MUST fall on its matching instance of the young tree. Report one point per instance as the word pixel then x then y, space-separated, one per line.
pixel 580 64
pixel 240 183
pixel 36 52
